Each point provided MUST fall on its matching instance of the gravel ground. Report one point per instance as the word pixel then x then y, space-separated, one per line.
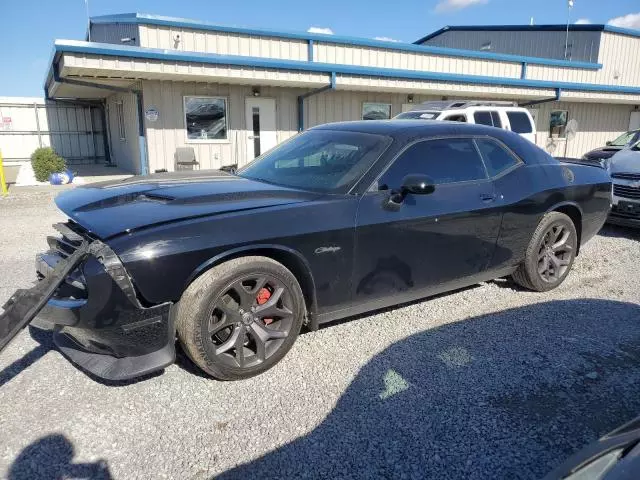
pixel 488 382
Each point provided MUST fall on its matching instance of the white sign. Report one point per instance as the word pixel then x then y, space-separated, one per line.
pixel 151 114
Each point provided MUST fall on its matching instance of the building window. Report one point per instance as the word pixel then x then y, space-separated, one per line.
pixel 376 111
pixel 206 119
pixel 120 118
pixel 558 123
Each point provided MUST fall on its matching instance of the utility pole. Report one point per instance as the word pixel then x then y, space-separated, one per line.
pixel 566 42
pixel 86 4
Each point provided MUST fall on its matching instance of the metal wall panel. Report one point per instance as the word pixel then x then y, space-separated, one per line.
pixel 584 46
pixel 386 58
pixel 352 82
pixel 125 151
pixel 75 132
pixel 190 40
pixel 95 65
pixel 115 32
pixel 601 97
pixel 597 123
pixel 338 106
pixel 620 56
pixel 168 132
pixel 615 71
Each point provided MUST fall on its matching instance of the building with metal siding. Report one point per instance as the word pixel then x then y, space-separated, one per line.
pixel 75 131
pixel 307 79
pixel 547 41
pixel 119 33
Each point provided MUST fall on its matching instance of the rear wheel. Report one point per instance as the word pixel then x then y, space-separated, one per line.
pixel 550 254
pixel 240 318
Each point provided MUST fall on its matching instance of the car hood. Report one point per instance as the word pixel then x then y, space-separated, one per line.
pixel 603 152
pixel 627 161
pixel 110 208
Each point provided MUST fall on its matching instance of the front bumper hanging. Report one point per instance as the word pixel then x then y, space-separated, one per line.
pixel 111 335
pixel 24 305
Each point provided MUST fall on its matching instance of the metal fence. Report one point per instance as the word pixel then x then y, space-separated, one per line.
pixel 76 132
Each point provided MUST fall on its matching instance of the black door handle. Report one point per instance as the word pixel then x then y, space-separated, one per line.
pixel 488 197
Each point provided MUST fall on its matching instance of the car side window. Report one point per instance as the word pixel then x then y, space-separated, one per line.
pixel 520 122
pixel 495 118
pixel 483 118
pixel 496 158
pixel 446 160
pixel 456 118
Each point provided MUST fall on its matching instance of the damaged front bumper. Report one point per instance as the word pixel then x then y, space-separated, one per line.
pixel 87 298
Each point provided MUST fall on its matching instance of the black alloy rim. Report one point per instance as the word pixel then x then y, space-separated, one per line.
pixel 555 253
pixel 250 320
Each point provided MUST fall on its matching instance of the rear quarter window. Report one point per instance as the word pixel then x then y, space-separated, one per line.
pixel 496 158
pixel 520 122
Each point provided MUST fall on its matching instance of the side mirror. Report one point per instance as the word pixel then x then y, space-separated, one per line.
pixel 609 143
pixel 417 184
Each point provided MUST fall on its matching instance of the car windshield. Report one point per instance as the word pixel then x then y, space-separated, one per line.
pixel 623 139
pixel 417 115
pixel 327 161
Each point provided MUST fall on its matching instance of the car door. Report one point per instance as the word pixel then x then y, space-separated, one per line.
pixel 427 241
pixel 513 186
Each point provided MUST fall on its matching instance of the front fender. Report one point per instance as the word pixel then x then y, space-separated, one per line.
pixel 289 257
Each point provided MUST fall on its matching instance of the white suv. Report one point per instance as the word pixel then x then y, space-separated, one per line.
pixel 505 115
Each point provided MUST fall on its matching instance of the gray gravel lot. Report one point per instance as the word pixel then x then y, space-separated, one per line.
pixel 488 382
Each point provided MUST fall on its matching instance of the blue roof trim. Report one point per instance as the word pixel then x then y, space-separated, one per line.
pixel 530 28
pixel 622 31
pixel 74 46
pixel 145 19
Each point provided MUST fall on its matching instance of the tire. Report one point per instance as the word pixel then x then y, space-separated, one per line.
pixel 550 254
pixel 224 328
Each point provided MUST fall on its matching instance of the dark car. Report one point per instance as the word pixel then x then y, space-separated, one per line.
pixel 624 168
pixel 616 456
pixel 625 140
pixel 342 219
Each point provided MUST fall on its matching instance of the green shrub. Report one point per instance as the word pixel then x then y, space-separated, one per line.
pixel 46 161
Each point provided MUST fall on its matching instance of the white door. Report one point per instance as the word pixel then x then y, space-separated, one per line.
pixel 260 115
pixel 406 107
pixel 634 121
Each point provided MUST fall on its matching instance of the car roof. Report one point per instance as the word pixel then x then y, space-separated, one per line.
pixel 406 131
pixel 471 107
pixel 410 127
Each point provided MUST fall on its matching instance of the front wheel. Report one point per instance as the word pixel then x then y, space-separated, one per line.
pixel 241 317
pixel 550 254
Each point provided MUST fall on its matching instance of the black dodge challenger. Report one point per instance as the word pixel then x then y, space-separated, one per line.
pixel 342 219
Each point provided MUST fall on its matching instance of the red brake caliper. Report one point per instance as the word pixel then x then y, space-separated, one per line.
pixel 263 297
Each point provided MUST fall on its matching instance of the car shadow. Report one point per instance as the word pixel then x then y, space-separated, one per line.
pixel 185 363
pixel 44 338
pixel 51 458
pixel 505 395
pixel 509 284
pixel 45 345
pixel 617 231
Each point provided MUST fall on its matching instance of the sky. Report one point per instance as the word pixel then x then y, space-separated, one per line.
pixel 29 27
